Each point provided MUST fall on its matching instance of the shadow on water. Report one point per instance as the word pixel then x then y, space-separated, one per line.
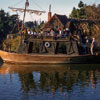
pixel 60 78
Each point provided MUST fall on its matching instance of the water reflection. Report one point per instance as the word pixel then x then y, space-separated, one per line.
pixel 55 80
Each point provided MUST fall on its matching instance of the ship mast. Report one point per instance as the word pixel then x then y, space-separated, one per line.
pixel 26 5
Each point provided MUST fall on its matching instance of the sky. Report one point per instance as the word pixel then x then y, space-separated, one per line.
pixel 63 7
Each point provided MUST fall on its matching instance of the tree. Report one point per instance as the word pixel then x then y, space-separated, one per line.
pixel 86 11
pixel 74 13
pixel 3 23
pixel 81 13
pixel 98 11
pixel 41 24
pixel 81 4
pixel 29 24
pixel 7 23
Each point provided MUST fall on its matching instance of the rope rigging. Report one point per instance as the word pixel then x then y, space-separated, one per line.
pixel 38 5
pixel 27 10
pixel 19 2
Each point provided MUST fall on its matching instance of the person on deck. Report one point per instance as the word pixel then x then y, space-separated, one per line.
pixel 31 32
pixel 28 31
pixel 87 45
pixel 61 32
pixel 52 32
pixel 65 33
pixel 24 32
pixel 34 33
pixel 93 45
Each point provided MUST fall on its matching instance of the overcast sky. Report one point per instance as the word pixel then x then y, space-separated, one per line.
pixel 63 7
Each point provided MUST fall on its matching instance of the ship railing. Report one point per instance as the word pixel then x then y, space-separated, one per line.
pixel 30 37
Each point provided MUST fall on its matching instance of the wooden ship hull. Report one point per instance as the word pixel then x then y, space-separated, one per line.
pixel 47 59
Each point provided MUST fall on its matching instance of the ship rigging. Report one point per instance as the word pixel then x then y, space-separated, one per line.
pixel 24 10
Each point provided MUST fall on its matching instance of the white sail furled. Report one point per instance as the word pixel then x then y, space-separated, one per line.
pixel 27 10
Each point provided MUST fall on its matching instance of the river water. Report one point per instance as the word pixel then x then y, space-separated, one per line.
pixel 50 82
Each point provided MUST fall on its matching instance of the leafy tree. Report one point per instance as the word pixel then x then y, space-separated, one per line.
pixel 86 11
pixel 81 13
pixel 41 24
pixel 74 13
pixel 34 25
pixel 81 4
pixel 3 23
pixel 7 23
pixel 29 24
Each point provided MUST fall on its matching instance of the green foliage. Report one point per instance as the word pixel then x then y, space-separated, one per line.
pixel 41 24
pixel 86 11
pixel 81 4
pixel 29 24
pixel 13 43
pixel 81 13
pixel 34 25
pixel 6 24
pixel 78 13
pixel 74 13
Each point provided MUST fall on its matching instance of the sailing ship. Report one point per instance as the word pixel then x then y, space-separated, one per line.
pixel 47 48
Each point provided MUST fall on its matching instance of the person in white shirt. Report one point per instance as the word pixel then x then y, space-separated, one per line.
pixel 93 45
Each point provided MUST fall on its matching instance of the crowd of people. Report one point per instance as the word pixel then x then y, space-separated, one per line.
pixel 88 44
pixel 52 33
